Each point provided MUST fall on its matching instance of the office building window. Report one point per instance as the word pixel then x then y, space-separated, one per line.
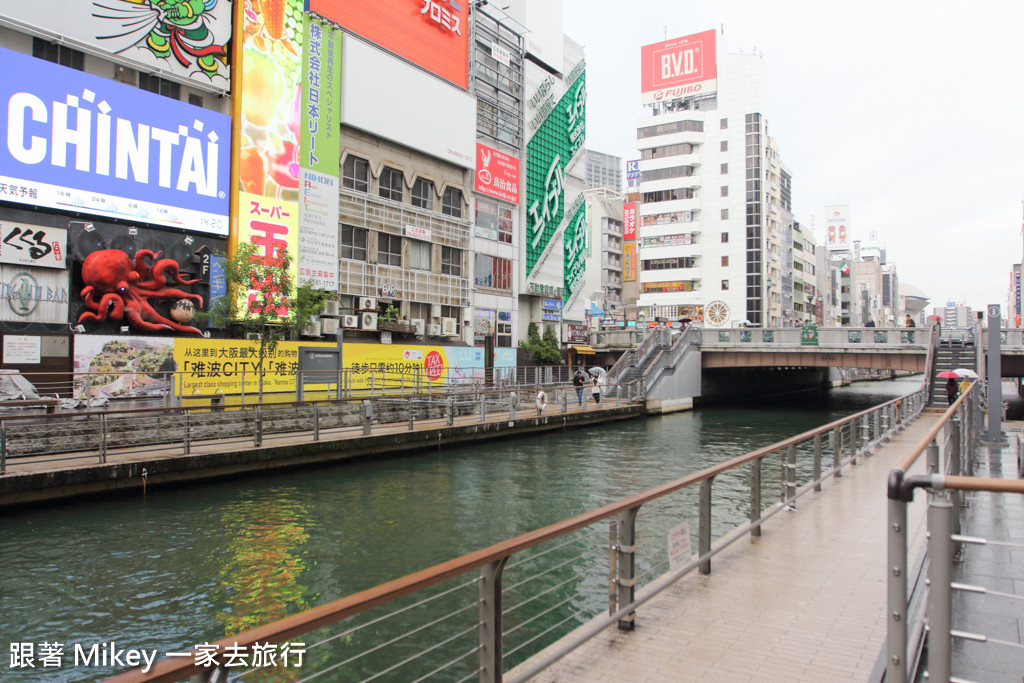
pixel 725 145
pixel 419 255
pixel 423 194
pixel 725 261
pixel 725 214
pixel 492 272
pixel 389 249
pixel 725 190
pixel 160 86
pixel 355 174
pixel 390 184
pixel 353 242
pixel 725 237
pixel 725 285
pixel 725 124
pixel 451 203
pixel 725 168
pixel 451 261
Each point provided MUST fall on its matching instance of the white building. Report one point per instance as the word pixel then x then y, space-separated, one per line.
pixel 711 240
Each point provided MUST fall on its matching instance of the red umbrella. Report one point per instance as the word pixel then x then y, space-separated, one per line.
pixel 947 374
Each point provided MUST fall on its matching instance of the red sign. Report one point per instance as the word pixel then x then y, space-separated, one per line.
pixel 497 174
pixel 629 221
pixel 431 33
pixel 681 67
pixel 433 365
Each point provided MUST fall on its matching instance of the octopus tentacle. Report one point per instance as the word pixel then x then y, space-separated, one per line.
pixel 143 316
pixel 110 306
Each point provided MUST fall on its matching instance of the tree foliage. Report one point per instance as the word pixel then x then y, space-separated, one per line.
pixel 545 351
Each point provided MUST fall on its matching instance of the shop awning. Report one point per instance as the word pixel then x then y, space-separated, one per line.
pixel 583 350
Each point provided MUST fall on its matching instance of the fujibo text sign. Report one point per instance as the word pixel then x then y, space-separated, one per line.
pixel 78 142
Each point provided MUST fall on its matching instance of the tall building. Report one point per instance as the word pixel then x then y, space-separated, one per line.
pixel 712 239
pixel 603 170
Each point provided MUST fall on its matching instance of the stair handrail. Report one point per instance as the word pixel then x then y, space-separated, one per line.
pixel 670 358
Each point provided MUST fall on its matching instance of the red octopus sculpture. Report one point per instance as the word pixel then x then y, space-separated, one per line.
pixel 125 288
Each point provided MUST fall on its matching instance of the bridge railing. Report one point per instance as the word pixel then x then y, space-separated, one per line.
pixel 849 338
pixel 919 601
pixel 489 610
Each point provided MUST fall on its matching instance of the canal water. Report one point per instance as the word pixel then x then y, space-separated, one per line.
pixel 185 566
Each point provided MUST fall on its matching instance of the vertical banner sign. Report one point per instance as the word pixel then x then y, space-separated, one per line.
pixel 319 157
pixel 270 224
pixel 629 262
pixel 549 151
pixel 629 221
pixel 575 241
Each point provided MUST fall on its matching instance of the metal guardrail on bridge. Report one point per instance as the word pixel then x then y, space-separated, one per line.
pixel 495 606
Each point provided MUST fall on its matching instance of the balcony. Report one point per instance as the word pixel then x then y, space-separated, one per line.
pixel 369 211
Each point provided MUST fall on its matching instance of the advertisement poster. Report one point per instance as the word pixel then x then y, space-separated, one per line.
pixel 497 174
pixel 681 67
pixel 122 366
pixel 78 142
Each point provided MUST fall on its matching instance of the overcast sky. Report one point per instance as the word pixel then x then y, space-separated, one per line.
pixel 910 113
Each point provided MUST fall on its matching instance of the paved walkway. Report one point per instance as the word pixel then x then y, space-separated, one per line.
pixel 806 602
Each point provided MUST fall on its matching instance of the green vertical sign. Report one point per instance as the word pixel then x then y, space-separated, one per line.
pixel 809 335
pixel 321 98
pixel 575 257
pixel 548 152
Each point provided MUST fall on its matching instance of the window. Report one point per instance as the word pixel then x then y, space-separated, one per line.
pixel 492 272
pixel 419 255
pixel 451 261
pixel 668 195
pixel 353 242
pixel 451 203
pixel 725 123
pixel 493 221
pixel 355 174
pixel 725 261
pixel 504 328
pixel 667 151
pixel 725 145
pixel 665 173
pixel 389 249
pixel 669 128
pixel 725 168
pixel 725 214
pixel 58 54
pixel 725 190
pixel 725 237
pixel 391 184
pixel 725 285
pixel 669 263
pixel 423 194
pixel 160 86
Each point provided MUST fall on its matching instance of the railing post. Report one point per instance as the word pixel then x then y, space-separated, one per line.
pixel 316 421
pixel 103 438
pixel 613 565
pixel 865 434
pixel 512 406
pixel 932 457
pixel 490 621
pixel 449 411
pixel 626 562
pixel 940 592
pixel 755 497
pixel 789 476
pixel 367 416
pixel 854 445
pixel 887 422
pixel 704 525
pixel 878 423
pixel 3 448
pixel 896 630
pixel 258 438
pixel 565 401
pixel 837 452
pixel 955 468
pixel 483 407
pixel 816 471
pixel 618 396
pixel 187 445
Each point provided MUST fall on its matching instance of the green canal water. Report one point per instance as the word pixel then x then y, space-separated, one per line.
pixel 185 566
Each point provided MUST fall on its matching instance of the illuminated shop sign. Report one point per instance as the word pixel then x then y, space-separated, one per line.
pixel 79 142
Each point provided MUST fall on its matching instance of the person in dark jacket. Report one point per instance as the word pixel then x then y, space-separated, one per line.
pixel 578 382
pixel 952 390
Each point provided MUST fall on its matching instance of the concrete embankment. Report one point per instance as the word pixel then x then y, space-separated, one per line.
pixel 31 480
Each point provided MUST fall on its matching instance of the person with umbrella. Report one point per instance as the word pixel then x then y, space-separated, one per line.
pixel 952 390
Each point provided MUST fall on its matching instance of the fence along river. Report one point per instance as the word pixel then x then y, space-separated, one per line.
pixel 180 567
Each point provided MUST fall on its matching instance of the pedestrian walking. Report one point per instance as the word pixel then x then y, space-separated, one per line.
pixel 578 382
pixel 596 390
pixel 952 390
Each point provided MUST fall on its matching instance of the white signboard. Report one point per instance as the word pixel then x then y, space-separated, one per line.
pixel 25 244
pixel 33 295
pixel 22 349
pixel 318 230
pixel 679 550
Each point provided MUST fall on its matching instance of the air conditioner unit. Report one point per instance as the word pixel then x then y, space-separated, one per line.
pixel 350 322
pixel 435 310
pixel 448 327
pixel 329 326
pixel 369 321
pixel 419 325
pixel 252 336
pixel 329 308
pixel 367 303
pixel 312 329
pixel 433 330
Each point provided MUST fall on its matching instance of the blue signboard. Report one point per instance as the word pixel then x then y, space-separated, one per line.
pixel 78 142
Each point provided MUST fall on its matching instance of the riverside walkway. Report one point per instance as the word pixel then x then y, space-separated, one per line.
pixel 807 601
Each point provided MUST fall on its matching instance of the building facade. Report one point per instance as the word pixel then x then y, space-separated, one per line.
pixel 603 170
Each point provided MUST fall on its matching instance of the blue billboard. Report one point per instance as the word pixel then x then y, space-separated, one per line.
pixel 78 142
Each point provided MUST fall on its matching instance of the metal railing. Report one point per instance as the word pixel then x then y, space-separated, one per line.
pixel 919 602
pixel 491 608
